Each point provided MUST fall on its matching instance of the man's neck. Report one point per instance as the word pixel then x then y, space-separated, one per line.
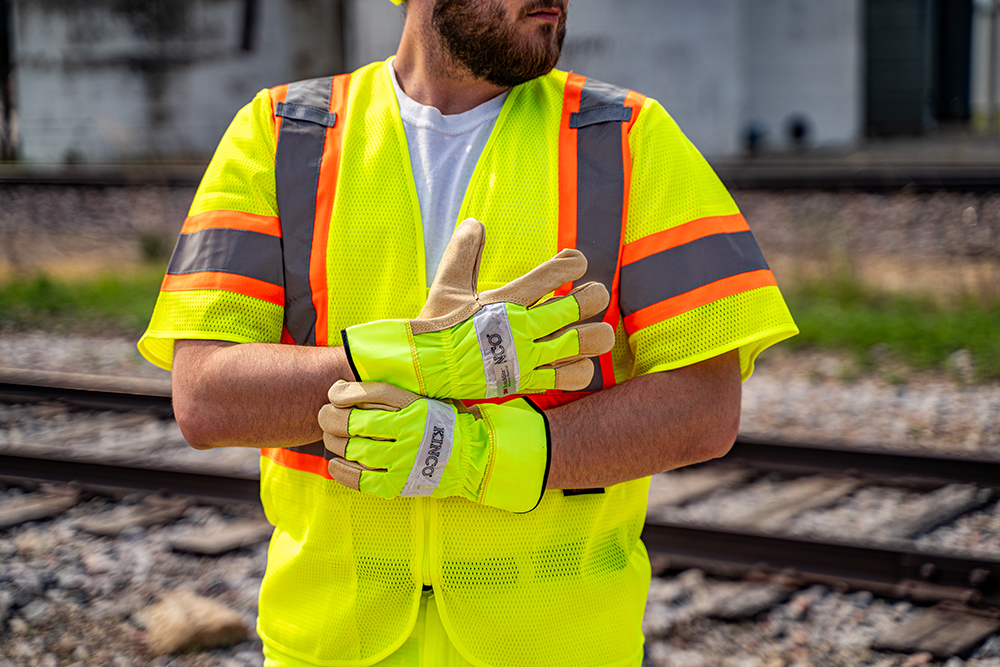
pixel 428 75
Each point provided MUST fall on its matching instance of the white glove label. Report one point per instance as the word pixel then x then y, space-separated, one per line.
pixel 435 449
pixel 497 345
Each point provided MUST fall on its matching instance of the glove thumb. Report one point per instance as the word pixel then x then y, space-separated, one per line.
pixel 455 283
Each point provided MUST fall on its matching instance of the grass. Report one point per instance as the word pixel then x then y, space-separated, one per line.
pixel 841 314
pixel 111 303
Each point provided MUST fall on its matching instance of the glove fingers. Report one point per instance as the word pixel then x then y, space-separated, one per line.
pixel 369 396
pixel 349 473
pixel 334 420
pixel 346 472
pixel 565 267
pixel 547 320
pixel 592 297
pixel 596 338
pixel 457 274
pixel 575 376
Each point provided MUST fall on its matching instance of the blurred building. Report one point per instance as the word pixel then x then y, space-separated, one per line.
pixel 132 80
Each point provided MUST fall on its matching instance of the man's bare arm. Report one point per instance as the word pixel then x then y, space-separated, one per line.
pixel 649 424
pixel 252 394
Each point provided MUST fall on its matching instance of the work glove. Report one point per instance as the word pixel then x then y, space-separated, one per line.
pixel 469 345
pixel 390 442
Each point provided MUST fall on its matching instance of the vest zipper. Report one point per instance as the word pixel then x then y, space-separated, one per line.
pixel 426 560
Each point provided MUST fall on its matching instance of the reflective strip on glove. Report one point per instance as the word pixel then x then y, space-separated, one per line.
pixel 498 343
pixel 390 442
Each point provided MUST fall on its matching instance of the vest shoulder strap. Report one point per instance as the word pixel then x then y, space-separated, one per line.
pixel 305 169
pixel 595 171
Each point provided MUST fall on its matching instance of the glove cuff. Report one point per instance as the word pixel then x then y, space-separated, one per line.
pixel 382 351
pixel 522 454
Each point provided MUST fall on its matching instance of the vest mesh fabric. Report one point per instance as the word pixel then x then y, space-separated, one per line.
pixel 672 185
pixel 375 257
pixel 207 315
pixel 240 177
pixel 562 585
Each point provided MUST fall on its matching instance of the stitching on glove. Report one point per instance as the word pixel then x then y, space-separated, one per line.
pixel 416 361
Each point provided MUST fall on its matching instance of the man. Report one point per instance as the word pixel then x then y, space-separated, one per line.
pixel 508 534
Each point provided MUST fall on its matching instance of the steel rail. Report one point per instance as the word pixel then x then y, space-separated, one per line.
pixel 126 394
pixel 756 174
pixel 105 478
pixel 873 178
pixel 865 462
pixel 86 391
pixel 897 569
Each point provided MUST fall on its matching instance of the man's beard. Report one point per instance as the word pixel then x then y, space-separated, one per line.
pixel 486 42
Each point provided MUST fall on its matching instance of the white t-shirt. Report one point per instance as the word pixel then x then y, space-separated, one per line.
pixel 443 154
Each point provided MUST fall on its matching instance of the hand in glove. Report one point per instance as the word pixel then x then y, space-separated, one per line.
pixel 469 345
pixel 390 442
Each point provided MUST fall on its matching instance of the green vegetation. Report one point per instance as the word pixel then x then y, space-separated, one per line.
pixel 921 333
pixel 110 303
pixel 834 314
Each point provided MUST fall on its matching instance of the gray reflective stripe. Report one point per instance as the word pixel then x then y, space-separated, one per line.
pixel 434 451
pixel 605 114
pixel 238 251
pixel 600 189
pixel 296 173
pixel 496 343
pixel 302 112
pixel 674 271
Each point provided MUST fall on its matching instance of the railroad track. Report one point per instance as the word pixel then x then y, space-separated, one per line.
pixel 893 567
pixel 762 174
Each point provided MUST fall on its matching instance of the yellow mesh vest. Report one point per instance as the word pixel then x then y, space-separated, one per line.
pixel 563 585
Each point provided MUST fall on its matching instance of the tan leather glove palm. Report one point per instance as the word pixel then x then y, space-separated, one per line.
pixel 470 345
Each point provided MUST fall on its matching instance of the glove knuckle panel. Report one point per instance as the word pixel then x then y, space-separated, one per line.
pixel 335 444
pixel 596 339
pixel 575 376
pixel 345 473
pixel 592 299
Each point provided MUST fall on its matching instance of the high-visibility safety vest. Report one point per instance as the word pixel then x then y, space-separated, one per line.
pixel 570 163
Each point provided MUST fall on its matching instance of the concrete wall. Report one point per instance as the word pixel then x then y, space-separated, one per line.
pixel 113 80
pixel 803 60
pixel 718 66
pixel 121 80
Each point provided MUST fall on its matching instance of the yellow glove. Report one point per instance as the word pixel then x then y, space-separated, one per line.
pixel 469 345
pixel 390 442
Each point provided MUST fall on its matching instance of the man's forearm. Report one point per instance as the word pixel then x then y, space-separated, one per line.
pixel 253 394
pixel 652 423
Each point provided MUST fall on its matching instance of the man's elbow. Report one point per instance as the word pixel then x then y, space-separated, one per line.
pixel 717 437
pixel 200 428
pixel 722 438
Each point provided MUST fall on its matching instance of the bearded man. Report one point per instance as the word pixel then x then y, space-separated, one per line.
pixel 458 421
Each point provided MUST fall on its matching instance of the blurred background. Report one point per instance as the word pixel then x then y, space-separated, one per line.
pixel 111 81
pixel 861 139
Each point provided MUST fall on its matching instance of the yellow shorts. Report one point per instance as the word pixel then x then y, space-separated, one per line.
pixel 428 645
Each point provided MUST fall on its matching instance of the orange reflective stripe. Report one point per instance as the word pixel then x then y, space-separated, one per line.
pixel 634 100
pixel 262 224
pixel 681 234
pixel 568 169
pixel 278 94
pixel 696 298
pixel 309 463
pixel 325 197
pixel 229 282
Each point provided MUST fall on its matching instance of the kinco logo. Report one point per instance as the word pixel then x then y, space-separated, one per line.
pixel 495 341
pixel 437 440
